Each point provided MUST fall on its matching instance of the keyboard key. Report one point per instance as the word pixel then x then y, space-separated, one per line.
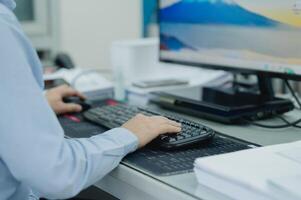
pixel 180 137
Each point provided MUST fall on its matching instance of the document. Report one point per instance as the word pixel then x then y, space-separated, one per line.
pixel 287 187
pixel 253 174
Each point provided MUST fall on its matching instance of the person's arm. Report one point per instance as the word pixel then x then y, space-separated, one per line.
pixel 32 142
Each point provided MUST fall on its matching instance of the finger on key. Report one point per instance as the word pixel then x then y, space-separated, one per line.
pixel 167 128
pixel 174 123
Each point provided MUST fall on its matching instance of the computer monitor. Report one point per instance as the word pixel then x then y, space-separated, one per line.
pixel 262 37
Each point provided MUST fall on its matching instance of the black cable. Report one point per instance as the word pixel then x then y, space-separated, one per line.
pixel 283 119
pixel 287 125
pixel 287 122
pixel 269 126
pixel 293 92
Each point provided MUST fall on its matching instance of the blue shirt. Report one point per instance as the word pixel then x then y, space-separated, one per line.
pixel 34 156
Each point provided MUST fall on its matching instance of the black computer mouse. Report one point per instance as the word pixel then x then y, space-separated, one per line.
pixel 77 100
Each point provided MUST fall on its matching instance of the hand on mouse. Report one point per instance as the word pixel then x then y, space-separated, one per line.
pixel 55 99
pixel 148 128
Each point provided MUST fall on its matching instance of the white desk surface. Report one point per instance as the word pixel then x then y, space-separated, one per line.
pixel 128 183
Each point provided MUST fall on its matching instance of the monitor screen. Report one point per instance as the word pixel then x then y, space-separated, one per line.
pixel 252 35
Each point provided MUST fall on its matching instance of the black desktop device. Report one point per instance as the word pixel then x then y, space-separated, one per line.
pixel 243 37
pixel 221 105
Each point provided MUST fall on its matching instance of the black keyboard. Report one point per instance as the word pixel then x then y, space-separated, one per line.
pixel 165 163
pixel 117 115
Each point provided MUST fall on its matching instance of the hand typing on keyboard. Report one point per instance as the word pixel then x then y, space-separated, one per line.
pixel 148 128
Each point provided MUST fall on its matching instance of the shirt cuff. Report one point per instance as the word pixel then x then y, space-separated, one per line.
pixel 124 138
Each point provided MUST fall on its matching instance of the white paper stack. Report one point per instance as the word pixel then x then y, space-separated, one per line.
pixel 90 82
pixel 268 173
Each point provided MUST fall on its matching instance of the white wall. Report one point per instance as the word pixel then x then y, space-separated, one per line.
pixel 87 28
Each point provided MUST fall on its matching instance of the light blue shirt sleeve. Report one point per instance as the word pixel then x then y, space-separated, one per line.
pixel 32 143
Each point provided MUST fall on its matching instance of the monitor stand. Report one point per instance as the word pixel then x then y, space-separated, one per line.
pixel 233 104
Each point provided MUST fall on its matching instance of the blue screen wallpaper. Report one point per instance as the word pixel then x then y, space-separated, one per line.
pixel 251 29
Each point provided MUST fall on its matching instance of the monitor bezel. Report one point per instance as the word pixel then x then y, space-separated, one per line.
pixel 239 70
